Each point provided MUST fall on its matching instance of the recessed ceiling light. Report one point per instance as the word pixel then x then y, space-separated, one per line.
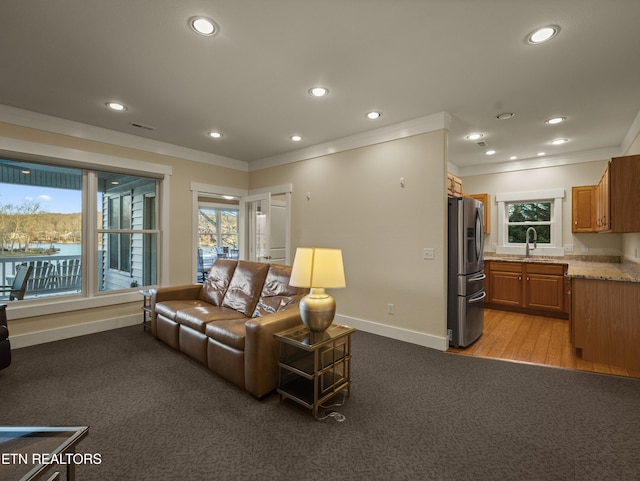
pixel 555 120
pixel 474 136
pixel 513 157
pixel 296 138
pixel 505 116
pixel 214 134
pixel 559 141
pixel 117 106
pixel 319 92
pixel 490 152
pixel 540 154
pixel 543 34
pixel 203 26
pixel 373 115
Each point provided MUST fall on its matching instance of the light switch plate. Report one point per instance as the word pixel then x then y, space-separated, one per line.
pixel 429 253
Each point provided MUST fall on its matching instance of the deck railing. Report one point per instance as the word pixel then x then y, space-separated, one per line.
pixel 55 274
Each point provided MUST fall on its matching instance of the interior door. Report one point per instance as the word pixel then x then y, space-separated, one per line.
pixel 255 223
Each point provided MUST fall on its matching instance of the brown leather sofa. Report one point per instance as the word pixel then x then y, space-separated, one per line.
pixel 228 323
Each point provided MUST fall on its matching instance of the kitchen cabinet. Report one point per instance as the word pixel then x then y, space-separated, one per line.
pixel 454 185
pixel 485 199
pixel 618 194
pixel 583 209
pixel 604 321
pixel 603 209
pixel 528 287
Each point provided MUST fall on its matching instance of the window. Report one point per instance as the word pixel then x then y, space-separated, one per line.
pixel 218 231
pixel 522 215
pixel 44 219
pixel 519 211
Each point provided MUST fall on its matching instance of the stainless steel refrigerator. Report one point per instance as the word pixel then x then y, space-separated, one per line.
pixel 465 298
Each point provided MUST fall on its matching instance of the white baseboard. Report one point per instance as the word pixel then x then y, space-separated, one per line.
pixel 50 335
pixel 400 334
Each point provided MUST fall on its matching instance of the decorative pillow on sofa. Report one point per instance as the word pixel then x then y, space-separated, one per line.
pixel 277 294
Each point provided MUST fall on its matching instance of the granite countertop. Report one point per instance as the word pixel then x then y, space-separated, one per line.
pixel 609 268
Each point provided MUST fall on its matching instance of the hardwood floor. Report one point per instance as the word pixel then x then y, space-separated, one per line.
pixel 532 339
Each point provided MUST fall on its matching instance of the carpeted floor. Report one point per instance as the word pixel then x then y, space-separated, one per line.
pixel 414 414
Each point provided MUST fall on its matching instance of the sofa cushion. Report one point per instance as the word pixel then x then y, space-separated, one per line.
pixel 198 317
pixel 169 309
pixel 218 280
pixel 246 286
pixel 230 332
pixel 277 294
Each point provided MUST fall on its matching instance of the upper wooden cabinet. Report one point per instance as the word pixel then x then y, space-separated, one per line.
pixel 617 197
pixel 583 209
pixel 485 199
pixel 603 195
pixel 454 186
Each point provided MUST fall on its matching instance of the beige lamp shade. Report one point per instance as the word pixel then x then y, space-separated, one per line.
pixel 317 267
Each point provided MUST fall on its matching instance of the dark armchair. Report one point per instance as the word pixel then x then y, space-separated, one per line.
pixel 5 347
pixel 15 292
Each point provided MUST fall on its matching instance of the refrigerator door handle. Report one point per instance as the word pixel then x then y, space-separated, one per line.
pixel 479 233
pixel 478 278
pixel 479 298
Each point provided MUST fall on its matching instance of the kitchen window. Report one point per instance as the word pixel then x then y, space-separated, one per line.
pixel 518 211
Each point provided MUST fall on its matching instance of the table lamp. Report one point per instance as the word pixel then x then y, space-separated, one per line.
pixel 317 268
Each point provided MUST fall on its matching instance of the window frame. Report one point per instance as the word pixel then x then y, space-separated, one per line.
pixel 93 162
pixel 555 197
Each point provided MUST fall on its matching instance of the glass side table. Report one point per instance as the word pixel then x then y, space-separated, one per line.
pixel 31 451
pixel 314 367
pixel 146 308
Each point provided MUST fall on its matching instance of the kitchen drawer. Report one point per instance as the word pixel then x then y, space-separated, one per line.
pixel 506 266
pixel 548 269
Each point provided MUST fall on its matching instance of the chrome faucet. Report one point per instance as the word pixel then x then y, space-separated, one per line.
pixel 535 240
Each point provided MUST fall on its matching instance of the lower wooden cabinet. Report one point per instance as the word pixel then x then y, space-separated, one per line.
pixel 526 286
pixel 604 322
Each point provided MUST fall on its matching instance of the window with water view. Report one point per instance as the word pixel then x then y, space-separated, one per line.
pixel 43 230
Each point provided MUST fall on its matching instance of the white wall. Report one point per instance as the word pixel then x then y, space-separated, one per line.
pixel 356 203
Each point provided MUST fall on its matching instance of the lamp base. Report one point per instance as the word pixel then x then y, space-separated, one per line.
pixel 317 310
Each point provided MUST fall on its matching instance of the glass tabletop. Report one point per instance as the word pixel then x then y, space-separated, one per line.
pixel 26 452
pixel 302 337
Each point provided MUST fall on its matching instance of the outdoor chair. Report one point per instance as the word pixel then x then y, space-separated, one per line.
pixel 69 275
pixel 43 276
pixel 17 289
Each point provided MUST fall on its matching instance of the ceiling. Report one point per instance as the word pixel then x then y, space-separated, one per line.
pixel 406 58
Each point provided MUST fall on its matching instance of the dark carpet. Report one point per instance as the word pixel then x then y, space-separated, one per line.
pixel 414 414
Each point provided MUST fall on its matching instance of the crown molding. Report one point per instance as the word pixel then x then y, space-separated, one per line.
pixel 56 125
pixel 397 131
pixel 581 157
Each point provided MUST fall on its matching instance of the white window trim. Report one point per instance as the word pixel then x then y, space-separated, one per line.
pixel 63 156
pixel 555 248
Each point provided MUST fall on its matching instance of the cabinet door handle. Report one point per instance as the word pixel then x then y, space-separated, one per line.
pixel 519 278
pixel 528 278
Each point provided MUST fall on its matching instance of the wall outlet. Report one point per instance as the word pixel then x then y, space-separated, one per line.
pixel 568 248
pixel 429 253
pixel 391 309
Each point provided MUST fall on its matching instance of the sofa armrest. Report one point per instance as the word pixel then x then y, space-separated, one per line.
pixel 170 293
pixel 261 351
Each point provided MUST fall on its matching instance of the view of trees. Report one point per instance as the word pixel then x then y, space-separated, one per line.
pixel 23 225
pixel 525 215
pixel 218 228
